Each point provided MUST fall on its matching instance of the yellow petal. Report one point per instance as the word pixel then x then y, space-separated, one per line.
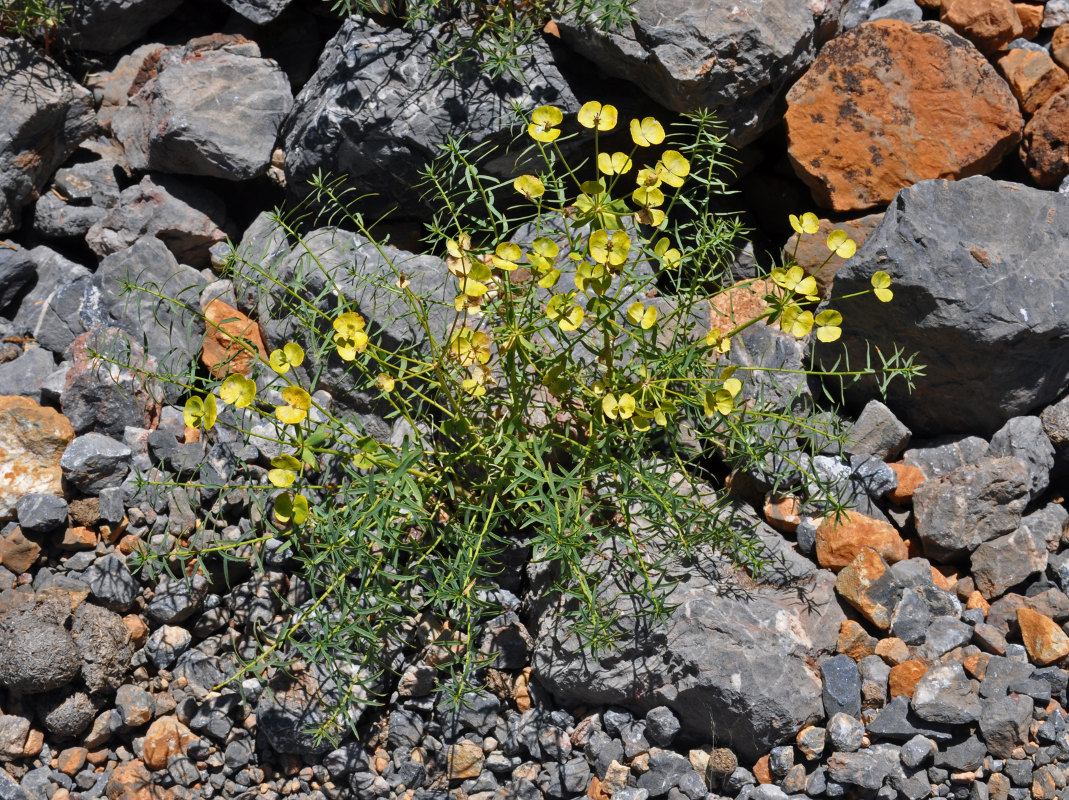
pixel 297 397
pixel 608 405
pixel 625 406
pixel 290 415
pixel 646 132
pixel 529 186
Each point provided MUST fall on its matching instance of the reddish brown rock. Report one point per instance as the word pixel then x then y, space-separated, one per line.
pixel 762 769
pixel 738 304
pixel 811 253
pixel 892 650
pixel 839 542
pixel 855 641
pixel 1031 17
pixel 1043 638
pixel 227 336
pixel 166 737
pixel 782 513
pixel 71 760
pixel 888 104
pixel 903 678
pixel 78 537
pixel 464 760
pixel 1059 46
pixel 138 630
pixel 32 440
pixel 1045 147
pixel 131 781
pixel 1033 76
pixel 17 553
pixel 867 585
pixel 989 24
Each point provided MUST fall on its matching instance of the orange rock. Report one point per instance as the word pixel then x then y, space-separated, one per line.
pixel 931 5
pixel 909 478
pixel 78 537
pixel 71 760
pixel 942 580
pixel 866 584
pixel 464 759
pixel 17 553
pixel 989 24
pixel 1045 147
pixel 594 790
pixel 838 543
pixel 888 104
pixel 855 641
pixel 762 771
pixel 1043 638
pixel 892 650
pixel 1031 17
pixel 811 253
pixel 1033 76
pixel 34 742
pixel 138 630
pixel 131 781
pixel 1059 46
pixel 903 678
pixel 977 600
pixel 166 737
pixel 738 304
pixel 227 336
pixel 32 440
pixel 782 513
pixel 976 664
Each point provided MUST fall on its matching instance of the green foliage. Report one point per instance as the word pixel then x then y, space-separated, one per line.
pixel 35 20
pixel 562 401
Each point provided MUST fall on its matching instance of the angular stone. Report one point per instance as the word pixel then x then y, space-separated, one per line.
pixel 1002 563
pixel 1024 438
pixel 976 503
pixel 111 584
pixel 845 733
pixel 943 695
pixel 1033 76
pixel 224 329
pixel 855 641
pixel 259 11
pixel 838 543
pixel 868 585
pixel 904 677
pixel 17 553
pixel 41 513
pixel 46 114
pixel 109 25
pixel 889 104
pixel 811 254
pixel 93 462
pixel 1031 17
pixel 945 454
pixel 909 478
pixel 166 737
pixel 911 618
pixel 989 24
pixel 17 272
pixel 945 255
pixel 842 686
pixel 60 304
pixel 464 760
pixel 1044 148
pixel 877 432
pixel 1059 46
pixel 32 442
pixel 1004 723
pixel 1044 639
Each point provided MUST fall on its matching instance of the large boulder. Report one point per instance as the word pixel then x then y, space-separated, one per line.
pixel 109 25
pixel 378 109
pixel 212 108
pixel 44 114
pixel 980 295
pixel 736 666
pixel 732 58
pixel 32 442
pixel 889 104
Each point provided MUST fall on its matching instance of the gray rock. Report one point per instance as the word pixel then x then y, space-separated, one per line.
pixel 911 618
pixel 845 733
pixel 476 711
pixel 938 243
pixel 214 112
pixel 872 477
pixel 103 642
pixel 858 11
pixel 93 462
pixel 82 194
pixel 877 432
pixel 377 109
pixel 1024 438
pixel 259 11
pixel 110 503
pixel 905 10
pixel 41 513
pixel 999 565
pixel 54 218
pixel 937 457
pixel 690 55
pixel 1055 13
pixel 918 751
pixel 943 695
pixel 662 726
pixel 1055 419
pixel 862 769
pixel 842 686
pixel 39 655
pixel 109 25
pixel 177 599
pixel 17 272
pixel 66 715
pixel 1004 723
pixel 26 374
pixel 186 218
pixel 946 633
pixel 287 715
pixel 964 756
pixel 875 673
pixel 780 760
pixel 969 506
pixel 46 114
pixel 61 304
pixel 166 644
pixel 737 669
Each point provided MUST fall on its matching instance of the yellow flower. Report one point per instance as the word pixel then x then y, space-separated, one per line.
pixel 828 322
pixel 469 347
pixel 384 382
pixel 807 224
pixel 646 132
pixel 643 316
pixel 650 216
pixel 544 122
pixel 595 115
pixel 200 412
pixel 795 280
pixel 673 168
pixel 594 276
pixel 648 177
pixel 722 401
pixel 543 251
pixel 714 339
pixel 238 391
pixel 506 255
pixel 529 186
pixel 284 472
pixel 565 313
pixel 291 508
pixel 648 196
pixel 289 355
pixel 616 164
pixel 349 336
pixel 841 244
pixel 796 322
pixel 606 249
pixel 669 256
pixel 298 401
pixel 614 407
pixel 881 286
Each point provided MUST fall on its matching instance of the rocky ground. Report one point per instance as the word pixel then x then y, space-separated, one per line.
pixel 915 647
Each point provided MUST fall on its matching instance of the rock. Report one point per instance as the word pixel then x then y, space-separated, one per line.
pixel 211 108
pixel 109 25
pixel 60 305
pixel 838 543
pixel 259 11
pixel 1025 438
pixel 14 731
pixel 1033 76
pixel 177 599
pixel 186 218
pixel 945 454
pixel 845 733
pixel 903 678
pixel 904 10
pixel 889 104
pixel 863 769
pixel 1004 723
pixel 377 110
pixel 662 726
pixel 166 737
pixel 67 715
pixel 1002 563
pixel 898 722
pixel 855 641
pixel 989 24
pixel 38 654
pixel 945 634
pixel 909 478
pixel 911 618
pixel 32 442
pixel 27 374
pixel 1043 147
pixel 1045 641
pixel 1055 14
pixel 1059 46
pixel 692 55
pixel 1031 17
pixel 93 462
pixel 868 585
pixel 103 642
pixel 111 584
pixel 166 644
pixel 943 255
pixel 944 696
pixel 738 667
pixel 969 506
pixel 224 329
pixel 17 553
pixel 46 114
pixel 18 272
pixel 134 705
pixel 842 686
pixel 41 513
pixel 877 432
pixel 464 760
